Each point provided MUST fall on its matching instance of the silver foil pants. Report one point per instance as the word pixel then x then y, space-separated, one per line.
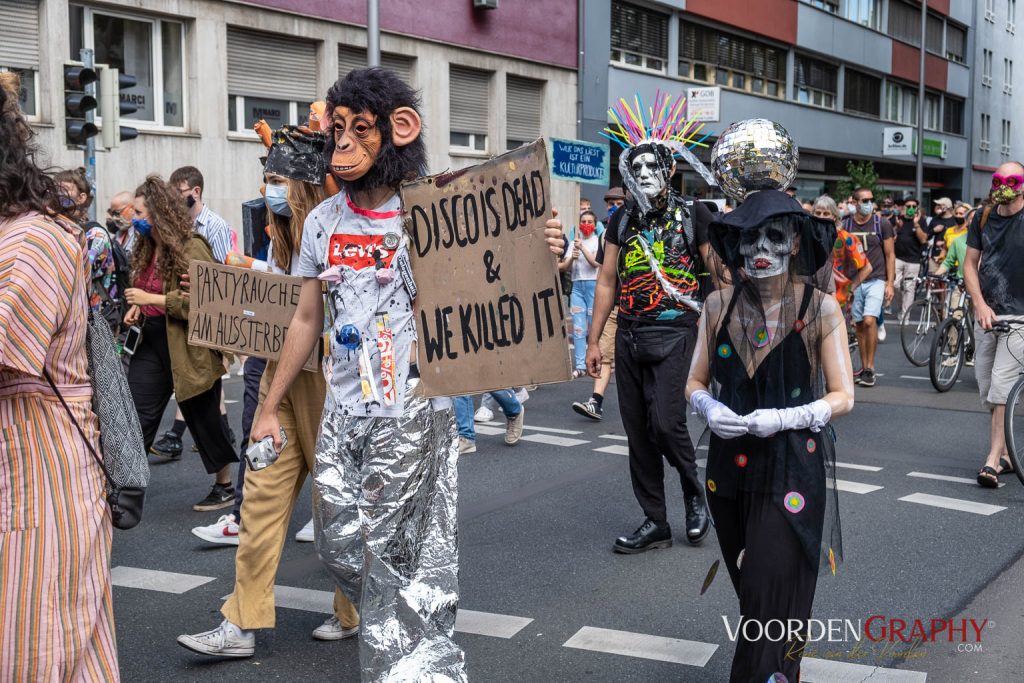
pixel 385 517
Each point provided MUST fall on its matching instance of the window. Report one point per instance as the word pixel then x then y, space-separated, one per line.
pixel 1004 147
pixel 1011 15
pixel 827 5
pixel 270 77
pixel 351 58
pixel 990 10
pixel 901 103
pixel 149 49
pixel 639 37
pixel 468 93
pixel 956 43
pixel 714 57
pixel 934 29
pixel 986 67
pixel 864 12
pixel 1008 76
pixel 524 101
pixel 984 143
pixel 814 82
pixel 904 22
pixel 862 94
pixel 932 109
pixel 953 115
pixel 19 48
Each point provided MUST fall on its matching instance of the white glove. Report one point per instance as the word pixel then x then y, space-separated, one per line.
pixel 722 421
pixel 768 421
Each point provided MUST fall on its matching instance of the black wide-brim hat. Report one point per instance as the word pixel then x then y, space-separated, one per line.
pixel 817 235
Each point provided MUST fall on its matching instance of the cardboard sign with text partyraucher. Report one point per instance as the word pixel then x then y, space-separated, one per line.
pixel 242 311
pixel 489 311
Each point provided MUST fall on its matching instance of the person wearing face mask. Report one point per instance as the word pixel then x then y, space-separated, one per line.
pixel 877 289
pixel 911 236
pixel 962 214
pixel 164 363
pixel 995 281
pixel 770 372
pixel 189 183
pixel 119 220
pixel 655 252
pixel 583 264
pixel 943 220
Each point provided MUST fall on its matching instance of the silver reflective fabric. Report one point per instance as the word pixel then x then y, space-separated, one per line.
pixel 752 155
pixel 385 517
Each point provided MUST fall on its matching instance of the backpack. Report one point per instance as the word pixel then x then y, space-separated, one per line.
pixel 113 309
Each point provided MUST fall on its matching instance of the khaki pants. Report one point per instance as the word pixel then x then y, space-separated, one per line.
pixel 267 506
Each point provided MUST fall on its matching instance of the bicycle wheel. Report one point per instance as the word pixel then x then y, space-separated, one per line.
pixel 917 331
pixel 1014 427
pixel 947 356
pixel 855 361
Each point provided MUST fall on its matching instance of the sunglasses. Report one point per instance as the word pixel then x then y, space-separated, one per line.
pixel 1013 181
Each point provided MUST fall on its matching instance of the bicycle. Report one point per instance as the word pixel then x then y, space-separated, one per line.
pixel 1014 418
pixel 953 343
pixel 919 324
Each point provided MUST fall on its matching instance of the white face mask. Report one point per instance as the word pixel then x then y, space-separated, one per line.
pixel 766 252
pixel 648 174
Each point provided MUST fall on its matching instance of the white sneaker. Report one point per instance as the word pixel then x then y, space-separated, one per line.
pixel 227 640
pixel 881 333
pixel 333 630
pixel 483 414
pixel 223 532
pixel 522 395
pixel 305 534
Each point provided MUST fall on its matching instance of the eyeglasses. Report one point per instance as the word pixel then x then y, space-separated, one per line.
pixel 1013 181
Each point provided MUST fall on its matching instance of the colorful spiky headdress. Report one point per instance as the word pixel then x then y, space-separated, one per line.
pixel 666 123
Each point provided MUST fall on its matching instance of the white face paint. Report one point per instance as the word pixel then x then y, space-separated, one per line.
pixel 648 174
pixel 766 252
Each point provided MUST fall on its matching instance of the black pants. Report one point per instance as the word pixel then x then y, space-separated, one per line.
pixel 254 368
pixel 152 384
pixel 774 581
pixel 652 405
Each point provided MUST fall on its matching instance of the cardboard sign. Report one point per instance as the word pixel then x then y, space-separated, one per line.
pixel 489 312
pixel 242 311
pixel 579 161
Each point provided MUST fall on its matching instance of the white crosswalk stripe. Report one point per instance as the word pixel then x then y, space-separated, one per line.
pixel 614 437
pixel 550 430
pixel 853 466
pixel 553 440
pixel 953 504
pixel 156 580
pixel 614 449
pixel 831 671
pixel 659 648
pixel 853 486
pixel 945 477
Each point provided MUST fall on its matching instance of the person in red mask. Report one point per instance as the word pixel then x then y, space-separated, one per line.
pixel 581 261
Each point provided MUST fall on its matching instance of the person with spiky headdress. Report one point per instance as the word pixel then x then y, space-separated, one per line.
pixel 654 264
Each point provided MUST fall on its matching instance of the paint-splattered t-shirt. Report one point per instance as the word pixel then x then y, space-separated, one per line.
pixel 641 295
pixel 351 245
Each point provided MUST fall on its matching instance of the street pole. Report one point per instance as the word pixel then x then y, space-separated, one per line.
pixel 919 177
pixel 86 56
pixel 373 32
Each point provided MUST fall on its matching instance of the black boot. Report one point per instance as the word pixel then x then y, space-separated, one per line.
pixel 649 536
pixel 698 523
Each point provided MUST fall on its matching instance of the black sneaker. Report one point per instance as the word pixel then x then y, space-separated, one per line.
pixel 220 496
pixel 588 408
pixel 867 378
pixel 167 446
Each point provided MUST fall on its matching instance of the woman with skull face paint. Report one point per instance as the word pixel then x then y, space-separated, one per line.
pixel 763 346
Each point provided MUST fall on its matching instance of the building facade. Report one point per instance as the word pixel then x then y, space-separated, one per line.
pixel 835 73
pixel 490 80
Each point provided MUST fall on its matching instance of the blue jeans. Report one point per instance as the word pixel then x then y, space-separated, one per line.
pixel 506 398
pixel 581 303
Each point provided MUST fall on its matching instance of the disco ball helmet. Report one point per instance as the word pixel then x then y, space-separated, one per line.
pixel 752 155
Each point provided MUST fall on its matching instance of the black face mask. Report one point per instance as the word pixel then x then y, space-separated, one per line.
pixel 190 201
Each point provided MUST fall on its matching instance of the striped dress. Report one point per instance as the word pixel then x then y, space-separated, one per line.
pixel 56 616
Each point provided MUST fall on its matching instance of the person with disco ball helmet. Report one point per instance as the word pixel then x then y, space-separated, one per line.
pixel 653 267
pixel 770 371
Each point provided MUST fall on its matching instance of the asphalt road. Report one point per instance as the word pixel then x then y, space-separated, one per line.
pixel 536 526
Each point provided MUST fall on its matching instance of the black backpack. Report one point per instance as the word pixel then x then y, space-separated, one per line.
pixel 113 309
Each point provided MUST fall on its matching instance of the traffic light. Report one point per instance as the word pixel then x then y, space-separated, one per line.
pixel 112 108
pixel 78 103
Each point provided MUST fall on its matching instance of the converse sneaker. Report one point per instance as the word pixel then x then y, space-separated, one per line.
pixel 227 640
pixel 466 445
pixel 514 428
pixel 588 408
pixel 220 496
pixel 223 532
pixel 333 630
pixel 305 534
pixel 483 414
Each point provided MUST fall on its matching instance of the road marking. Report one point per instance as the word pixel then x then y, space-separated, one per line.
pixel 614 449
pixel 852 486
pixel 702 448
pixel 229 401
pixel 466 621
pixel 615 437
pixel 953 504
pixel 852 466
pixel 155 580
pixel 553 440
pixel 702 462
pixel 916 377
pixel 489 431
pixel 673 650
pixel 830 671
pixel 550 430
pixel 943 477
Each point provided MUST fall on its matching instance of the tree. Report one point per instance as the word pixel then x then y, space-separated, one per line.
pixel 859 174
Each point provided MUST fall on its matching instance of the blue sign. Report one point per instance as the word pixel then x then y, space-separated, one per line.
pixel 579 161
